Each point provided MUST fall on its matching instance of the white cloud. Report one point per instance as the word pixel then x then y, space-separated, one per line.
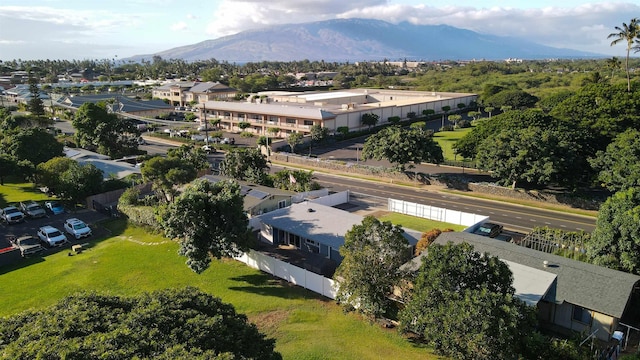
pixel 179 26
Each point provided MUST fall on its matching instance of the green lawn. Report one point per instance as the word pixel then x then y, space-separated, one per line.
pixel 15 192
pixel 446 139
pixel 418 223
pixel 305 325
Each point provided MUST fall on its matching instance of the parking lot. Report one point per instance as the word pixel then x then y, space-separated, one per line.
pixel 31 226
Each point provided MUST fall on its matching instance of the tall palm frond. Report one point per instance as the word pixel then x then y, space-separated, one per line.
pixel 627 33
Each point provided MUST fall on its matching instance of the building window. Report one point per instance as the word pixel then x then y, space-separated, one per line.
pixel 282 203
pixel 273 118
pixel 581 314
pixel 312 246
pixel 308 122
pixel 291 121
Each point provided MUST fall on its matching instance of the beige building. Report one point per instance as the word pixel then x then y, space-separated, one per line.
pixel 186 92
pixel 298 111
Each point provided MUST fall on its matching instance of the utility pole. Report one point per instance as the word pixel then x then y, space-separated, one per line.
pixel 206 127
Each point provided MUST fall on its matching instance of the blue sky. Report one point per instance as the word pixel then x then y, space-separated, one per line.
pixel 98 29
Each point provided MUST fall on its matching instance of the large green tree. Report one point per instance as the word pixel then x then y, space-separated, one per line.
pixel 532 155
pixel 463 304
pixel 619 166
pixel 514 98
pixel 68 179
pixel 166 324
pixel 294 180
pixel 247 164
pixel 615 243
pixel 627 33
pixel 35 105
pixel 194 156
pixel 35 145
pixel 8 166
pixel 108 133
pixel 209 221
pixel 468 145
pixel 402 146
pixel 373 252
pixel 166 173
pixel 604 110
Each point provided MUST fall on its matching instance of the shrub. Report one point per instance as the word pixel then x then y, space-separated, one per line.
pixel 143 216
pixel 342 130
pixel 426 239
pixel 394 119
pixel 246 134
pixel 447 128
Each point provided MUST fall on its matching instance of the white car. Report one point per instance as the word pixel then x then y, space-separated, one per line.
pixel 51 236
pixel 11 215
pixel 77 228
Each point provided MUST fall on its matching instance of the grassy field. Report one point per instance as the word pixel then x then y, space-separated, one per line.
pixel 417 223
pixel 131 261
pixel 446 139
pixel 16 192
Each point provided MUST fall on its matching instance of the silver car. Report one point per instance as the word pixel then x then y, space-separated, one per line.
pixel 32 209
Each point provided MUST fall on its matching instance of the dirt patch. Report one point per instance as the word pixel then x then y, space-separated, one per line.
pixel 270 320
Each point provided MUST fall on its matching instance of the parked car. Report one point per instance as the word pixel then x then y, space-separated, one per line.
pixel 77 228
pixel 55 207
pixel 28 245
pixel 489 229
pixel 32 209
pixel 51 236
pixel 11 215
pixel 208 149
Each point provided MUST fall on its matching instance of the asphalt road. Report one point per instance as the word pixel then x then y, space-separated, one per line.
pixel 514 217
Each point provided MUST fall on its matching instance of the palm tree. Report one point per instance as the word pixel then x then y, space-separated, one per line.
pixel 626 33
pixel 613 64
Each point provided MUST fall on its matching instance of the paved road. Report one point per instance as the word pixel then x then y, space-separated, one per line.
pixel 513 217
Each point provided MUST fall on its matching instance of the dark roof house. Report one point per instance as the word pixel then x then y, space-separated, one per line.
pixel 569 294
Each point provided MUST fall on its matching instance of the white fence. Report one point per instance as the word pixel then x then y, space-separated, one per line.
pixel 333 199
pixel 293 274
pixel 435 213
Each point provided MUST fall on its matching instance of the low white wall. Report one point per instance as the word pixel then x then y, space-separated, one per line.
pixel 293 274
pixel 435 213
pixel 333 199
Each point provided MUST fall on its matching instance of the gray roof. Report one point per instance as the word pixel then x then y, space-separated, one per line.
pixel 280 109
pixel 254 195
pixel 130 105
pixel 210 87
pixel 321 223
pixel 324 224
pixel 590 286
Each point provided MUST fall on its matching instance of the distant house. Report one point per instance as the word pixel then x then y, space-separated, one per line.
pixel 110 168
pixel 314 228
pixel 569 294
pixel 181 93
pixel 259 199
pixel 146 108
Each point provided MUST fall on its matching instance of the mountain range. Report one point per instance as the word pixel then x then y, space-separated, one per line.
pixel 352 40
